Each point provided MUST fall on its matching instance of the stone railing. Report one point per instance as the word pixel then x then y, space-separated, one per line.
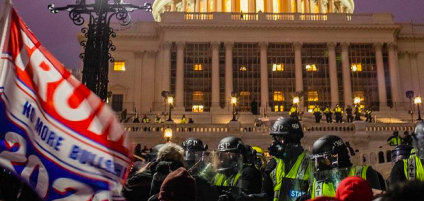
pixel 378 18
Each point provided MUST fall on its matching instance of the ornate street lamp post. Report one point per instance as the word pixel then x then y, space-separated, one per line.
pixel 417 101
pixel 167 134
pixel 234 103
pixel 410 95
pixel 170 101
pixel 98 33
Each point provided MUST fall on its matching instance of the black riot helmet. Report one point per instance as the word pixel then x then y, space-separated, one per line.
pixel 194 144
pixel 330 152
pixel 194 151
pixel 288 128
pixel 249 156
pixel 401 152
pixel 418 137
pixel 230 152
pixel 231 144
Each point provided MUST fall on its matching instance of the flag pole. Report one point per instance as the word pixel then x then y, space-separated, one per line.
pixel 4 37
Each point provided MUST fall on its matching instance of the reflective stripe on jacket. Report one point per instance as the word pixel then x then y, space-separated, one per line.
pixel 329 190
pixel 298 171
pixel 221 180
pixel 413 168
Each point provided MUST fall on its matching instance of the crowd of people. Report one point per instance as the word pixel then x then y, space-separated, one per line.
pixel 235 171
pixel 338 112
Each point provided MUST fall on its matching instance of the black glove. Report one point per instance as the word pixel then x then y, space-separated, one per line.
pixel 227 196
pixel 304 197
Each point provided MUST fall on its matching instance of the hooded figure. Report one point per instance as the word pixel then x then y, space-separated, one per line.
pixel 179 185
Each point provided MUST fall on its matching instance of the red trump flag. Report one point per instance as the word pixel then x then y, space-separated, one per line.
pixel 55 134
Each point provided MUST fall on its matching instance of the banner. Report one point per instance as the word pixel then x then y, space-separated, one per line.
pixel 55 134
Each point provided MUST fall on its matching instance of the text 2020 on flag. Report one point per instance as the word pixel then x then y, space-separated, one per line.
pixel 55 134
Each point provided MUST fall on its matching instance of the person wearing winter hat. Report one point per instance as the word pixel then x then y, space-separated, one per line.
pixel 179 185
pixel 354 189
pixel 350 189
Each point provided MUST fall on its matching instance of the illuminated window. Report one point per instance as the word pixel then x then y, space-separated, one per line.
pixel 244 6
pixel 227 5
pixel 278 108
pixel 311 67
pixel 260 5
pixel 276 7
pixel 197 67
pixel 197 96
pixel 277 67
pixel 243 68
pixel 197 108
pixel 312 96
pixel 119 66
pixel 245 93
pixel 356 67
pixel 278 96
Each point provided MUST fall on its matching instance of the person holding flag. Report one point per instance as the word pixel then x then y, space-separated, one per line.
pixel 56 135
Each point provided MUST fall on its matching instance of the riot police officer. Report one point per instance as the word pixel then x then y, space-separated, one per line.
pixel 195 163
pixel 286 174
pixel 411 168
pixel 331 163
pixel 236 168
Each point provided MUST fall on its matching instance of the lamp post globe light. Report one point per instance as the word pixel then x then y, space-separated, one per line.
pixel 234 103
pixel 96 56
pixel 357 101
pixel 167 134
pixel 296 100
pixel 170 101
pixel 417 100
pixel 410 96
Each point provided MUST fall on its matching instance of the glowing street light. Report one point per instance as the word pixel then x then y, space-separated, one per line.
pixel 168 134
pixel 234 103
pixel 417 100
pixel 357 100
pixel 170 101
pixel 296 100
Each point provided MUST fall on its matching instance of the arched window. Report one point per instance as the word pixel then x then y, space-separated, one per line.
pixel 389 156
pixel 380 157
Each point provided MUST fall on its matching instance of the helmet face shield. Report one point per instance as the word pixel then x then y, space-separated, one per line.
pixel 191 157
pixel 229 160
pixel 419 145
pixel 323 162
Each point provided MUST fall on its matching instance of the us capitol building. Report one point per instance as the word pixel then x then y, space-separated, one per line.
pixel 204 52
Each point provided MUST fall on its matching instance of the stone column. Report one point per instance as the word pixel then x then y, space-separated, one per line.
pixel 205 6
pixel 330 6
pixel 218 5
pixel 166 72
pixel 347 85
pixel 269 8
pixel 307 6
pixel 289 6
pixel 320 8
pixel 334 86
pixel 264 78
pixel 233 6
pixel 173 7
pixel 299 6
pixel 251 6
pixel 298 70
pixel 228 72
pixel 393 74
pixel 183 6
pixel 215 76
pixel 381 80
pixel 137 89
pixel 179 84
pixel 197 6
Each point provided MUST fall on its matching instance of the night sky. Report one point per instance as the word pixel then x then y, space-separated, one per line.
pixel 58 33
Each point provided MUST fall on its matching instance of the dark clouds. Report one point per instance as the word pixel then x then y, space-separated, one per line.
pixel 58 33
